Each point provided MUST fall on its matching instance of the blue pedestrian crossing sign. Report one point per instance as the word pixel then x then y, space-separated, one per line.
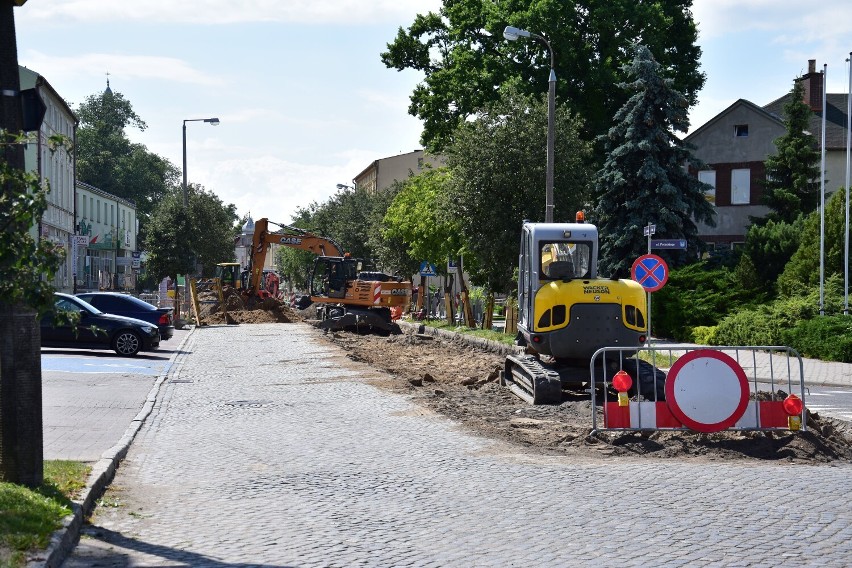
pixel 427 269
pixel 650 271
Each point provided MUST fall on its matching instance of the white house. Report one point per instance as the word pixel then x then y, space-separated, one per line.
pixel 55 168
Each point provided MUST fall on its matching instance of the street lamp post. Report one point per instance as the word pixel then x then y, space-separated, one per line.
pixel 344 186
pixel 211 122
pixel 512 34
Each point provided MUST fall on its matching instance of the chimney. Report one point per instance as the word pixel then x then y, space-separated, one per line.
pixel 813 87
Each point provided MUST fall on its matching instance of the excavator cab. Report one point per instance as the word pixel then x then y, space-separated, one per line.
pixel 332 275
pixel 229 274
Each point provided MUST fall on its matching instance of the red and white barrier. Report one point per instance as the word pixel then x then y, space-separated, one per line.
pixel 657 416
pixel 706 391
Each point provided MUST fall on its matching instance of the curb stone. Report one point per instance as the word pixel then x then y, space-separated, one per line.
pixel 469 340
pixel 64 539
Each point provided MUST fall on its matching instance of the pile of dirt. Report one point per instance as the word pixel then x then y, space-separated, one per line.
pixel 240 310
pixel 460 381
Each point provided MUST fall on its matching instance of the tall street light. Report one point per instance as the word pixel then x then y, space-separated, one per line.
pixel 512 34
pixel 212 122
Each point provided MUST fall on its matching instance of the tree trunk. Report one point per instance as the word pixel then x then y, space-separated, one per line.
pixel 21 437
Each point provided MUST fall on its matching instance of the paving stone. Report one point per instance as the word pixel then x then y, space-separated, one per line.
pixel 279 453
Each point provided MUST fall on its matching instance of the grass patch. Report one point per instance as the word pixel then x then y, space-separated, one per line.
pixel 660 359
pixel 498 336
pixel 28 517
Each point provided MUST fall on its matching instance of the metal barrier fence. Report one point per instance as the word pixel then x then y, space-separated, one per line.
pixel 707 388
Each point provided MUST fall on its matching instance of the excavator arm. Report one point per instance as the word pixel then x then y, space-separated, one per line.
pixel 293 237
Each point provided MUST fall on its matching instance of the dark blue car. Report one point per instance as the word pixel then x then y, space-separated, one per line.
pixel 128 306
pixel 95 329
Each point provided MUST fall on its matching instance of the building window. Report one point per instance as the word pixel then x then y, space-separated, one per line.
pixel 741 187
pixel 741 130
pixel 709 177
pixel 99 210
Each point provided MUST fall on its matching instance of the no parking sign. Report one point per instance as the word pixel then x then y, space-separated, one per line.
pixel 650 271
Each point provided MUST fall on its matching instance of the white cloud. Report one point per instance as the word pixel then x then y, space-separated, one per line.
pixel 232 11
pixel 124 66
pixel 810 21
pixel 268 186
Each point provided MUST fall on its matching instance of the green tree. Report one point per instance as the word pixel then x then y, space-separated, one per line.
pixel 27 266
pixel 802 272
pixel 498 180
pixel 771 245
pixel 643 179
pixel 293 264
pixel 353 219
pixel 108 160
pixel 181 240
pixel 792 174
pixel 462 52
pixel 418 219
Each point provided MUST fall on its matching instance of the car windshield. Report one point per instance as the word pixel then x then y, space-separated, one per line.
pixel 76 305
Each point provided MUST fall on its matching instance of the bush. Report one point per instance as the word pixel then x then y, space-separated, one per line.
pixel 748 327
pixel 828 338
pixel 767 324
pixel 703 335
pixel 697 295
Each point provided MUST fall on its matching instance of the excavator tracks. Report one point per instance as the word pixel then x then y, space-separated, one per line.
pixel 528 379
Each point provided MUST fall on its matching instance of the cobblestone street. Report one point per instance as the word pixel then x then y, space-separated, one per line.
pixel 267 447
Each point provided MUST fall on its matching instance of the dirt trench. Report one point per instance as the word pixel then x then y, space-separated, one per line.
pixel 459 380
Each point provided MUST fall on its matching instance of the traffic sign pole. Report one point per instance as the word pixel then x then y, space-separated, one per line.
pixel 652 273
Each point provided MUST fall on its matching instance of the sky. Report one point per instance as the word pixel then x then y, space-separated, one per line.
pixel 302 96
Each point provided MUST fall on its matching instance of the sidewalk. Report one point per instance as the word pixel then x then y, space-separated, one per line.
pixel 93 417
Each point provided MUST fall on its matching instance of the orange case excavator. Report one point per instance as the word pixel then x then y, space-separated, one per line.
pixel 346 297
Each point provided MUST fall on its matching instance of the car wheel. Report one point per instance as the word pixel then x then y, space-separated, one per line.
pixel 127 343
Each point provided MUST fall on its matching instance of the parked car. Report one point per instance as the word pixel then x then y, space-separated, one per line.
pixel 97 330
pixel 124 305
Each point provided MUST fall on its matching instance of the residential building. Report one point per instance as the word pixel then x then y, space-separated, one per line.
pixel 107 251
pixel 735 144
pixel 381 174
pixel 56 169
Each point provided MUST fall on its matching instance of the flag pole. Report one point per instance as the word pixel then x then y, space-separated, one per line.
pixel 846 234
pixel 822 201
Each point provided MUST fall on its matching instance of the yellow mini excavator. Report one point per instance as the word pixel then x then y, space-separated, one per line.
pixel 566 312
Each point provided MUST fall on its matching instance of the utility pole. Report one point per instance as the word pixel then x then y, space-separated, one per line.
pixel 21 437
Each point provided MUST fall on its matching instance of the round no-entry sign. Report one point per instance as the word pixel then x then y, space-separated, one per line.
pixel 707 390
pixel 650 271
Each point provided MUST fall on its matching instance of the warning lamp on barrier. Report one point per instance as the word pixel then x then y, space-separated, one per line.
pixel 622 383
pixel 793 406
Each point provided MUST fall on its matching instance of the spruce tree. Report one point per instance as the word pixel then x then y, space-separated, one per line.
pixel 792 175
pixel 645 177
